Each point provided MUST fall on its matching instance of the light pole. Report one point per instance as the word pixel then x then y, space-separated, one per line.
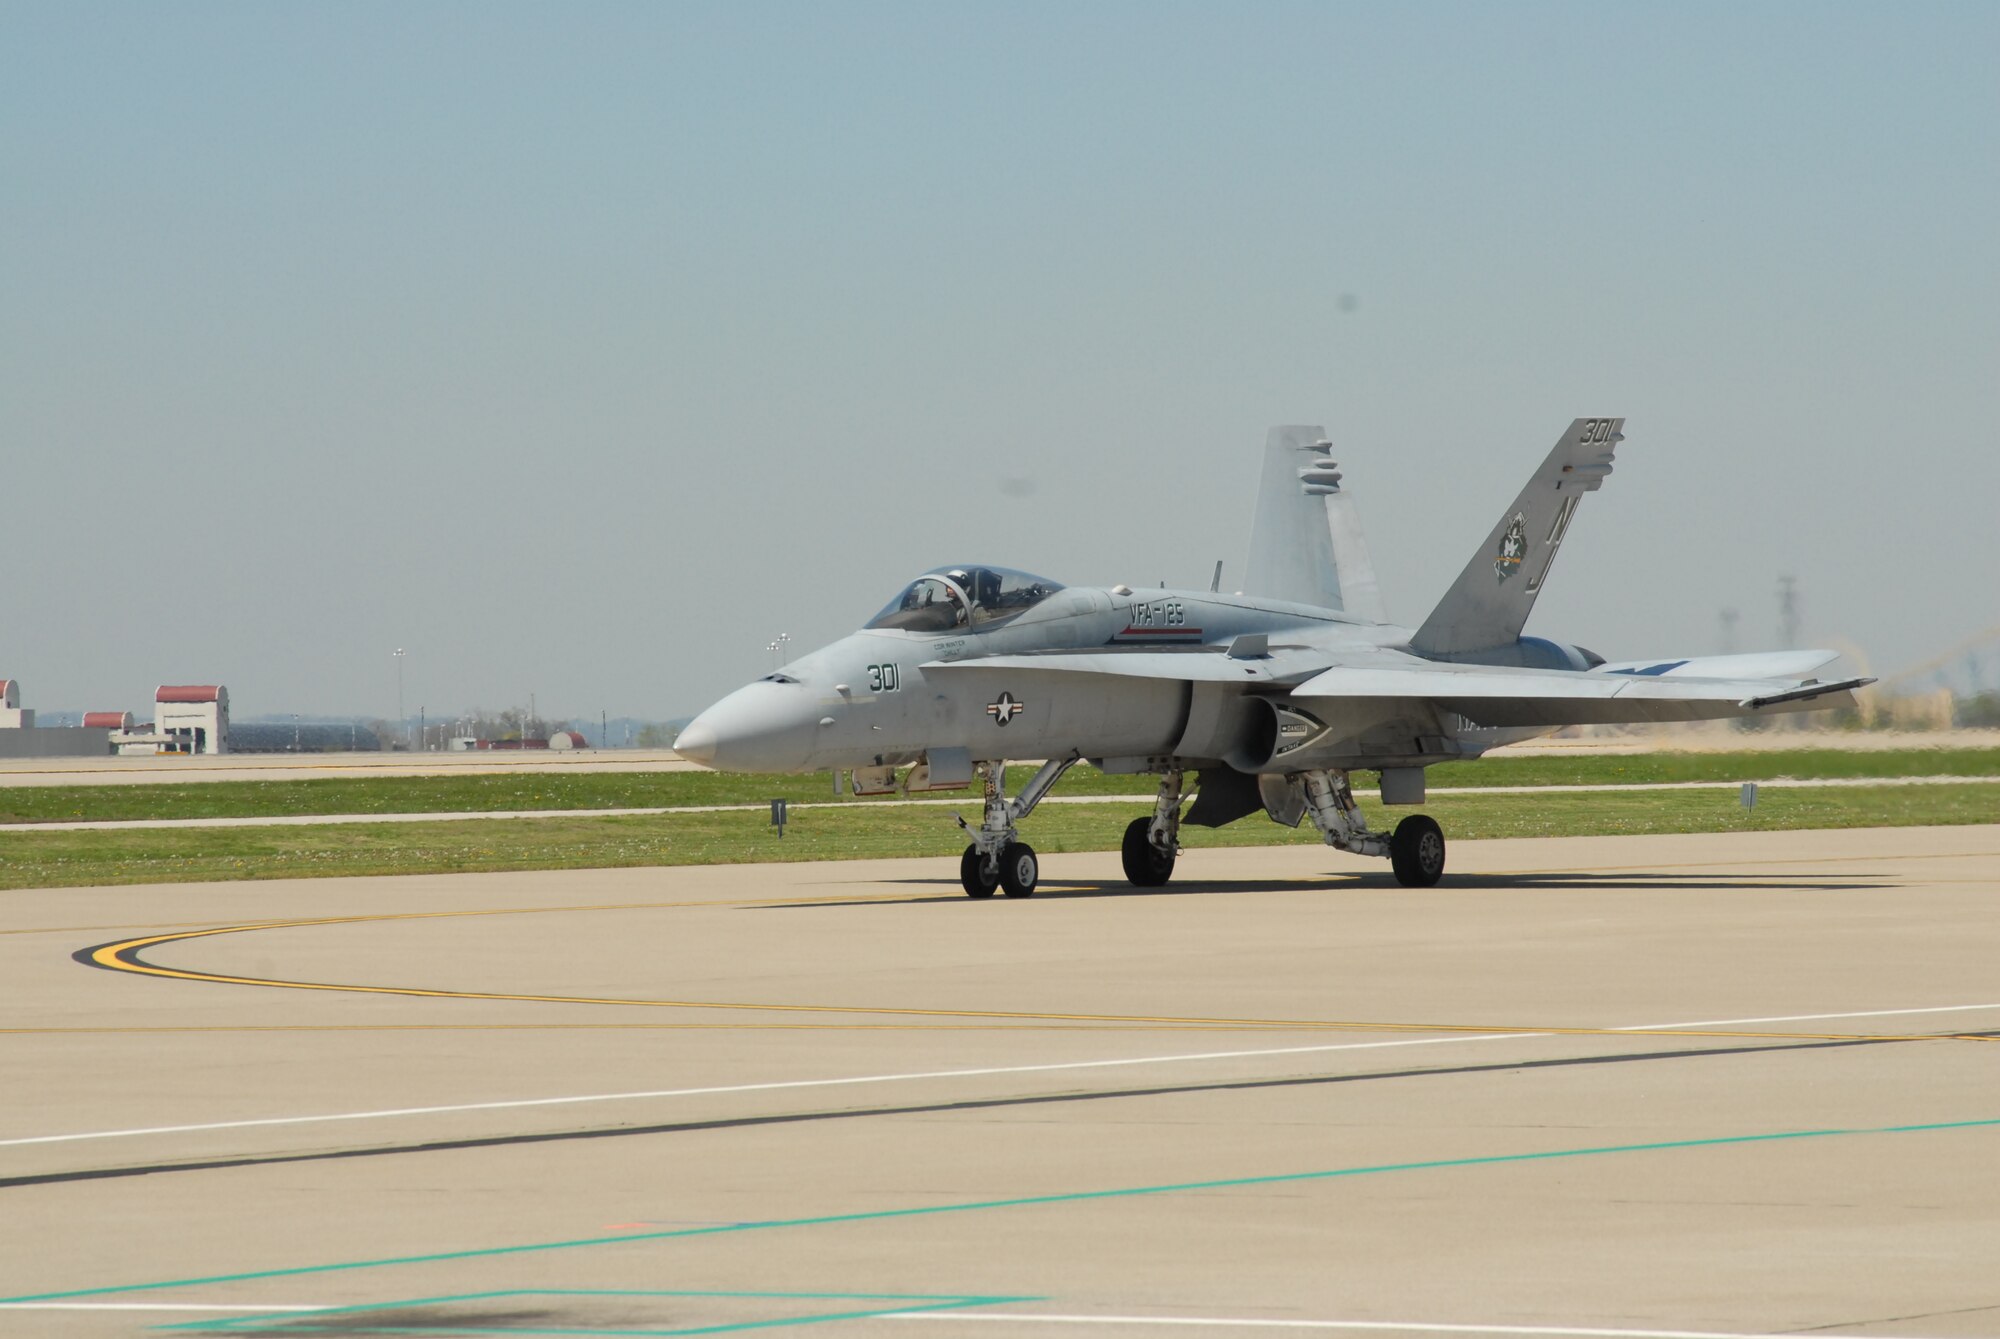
pixel 401 729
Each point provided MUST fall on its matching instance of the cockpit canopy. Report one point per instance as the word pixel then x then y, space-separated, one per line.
pixel 962 597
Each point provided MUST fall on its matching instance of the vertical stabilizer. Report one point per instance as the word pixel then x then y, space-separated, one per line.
pixel 1490 601
pixel 1306 544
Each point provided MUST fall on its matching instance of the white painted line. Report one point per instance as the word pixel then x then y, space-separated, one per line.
pixel 1424 1327
pixel 859 1079
pixel 1817 1018
pixel 1771 783
pixel 752 1088
pixel 462 816
pixel 143 1306
pixel 312 820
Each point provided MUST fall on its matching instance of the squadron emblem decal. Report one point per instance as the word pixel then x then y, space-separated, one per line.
pixel 1005 709
pixel 1513 547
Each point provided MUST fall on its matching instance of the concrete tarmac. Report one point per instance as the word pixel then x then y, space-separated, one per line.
pixel 1643 1086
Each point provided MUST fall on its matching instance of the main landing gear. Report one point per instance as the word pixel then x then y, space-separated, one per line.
pixel 997 857
pixel 1415 850
pixel 998 861
pixel 1151 844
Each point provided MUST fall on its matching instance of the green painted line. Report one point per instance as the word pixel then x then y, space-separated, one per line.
pixel 341 1316
pixel 1026 1201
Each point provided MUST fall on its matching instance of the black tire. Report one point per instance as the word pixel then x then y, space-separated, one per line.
pixel 1416 852
pixel 972 877
pixel 1145 865
pixel 1019 870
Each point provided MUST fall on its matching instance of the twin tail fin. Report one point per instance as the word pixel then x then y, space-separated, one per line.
pixel 1489 603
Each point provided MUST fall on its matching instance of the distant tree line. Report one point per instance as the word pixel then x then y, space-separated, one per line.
pixel 508 723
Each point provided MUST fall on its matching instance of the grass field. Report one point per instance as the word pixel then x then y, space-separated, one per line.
pixel 62 859
pixel 650 790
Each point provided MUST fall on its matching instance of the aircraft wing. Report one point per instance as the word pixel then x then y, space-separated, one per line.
pixel 1486 695
pixel 1499 696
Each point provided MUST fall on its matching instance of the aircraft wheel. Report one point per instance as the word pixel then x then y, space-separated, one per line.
pixel 1145 866
pixel 1018 869
pixel 973 877
pixel 1416 851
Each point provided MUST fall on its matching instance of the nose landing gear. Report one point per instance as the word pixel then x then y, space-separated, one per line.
pixel 977 877
pixel 997 857
pixel 1018 869
pixel 1014 873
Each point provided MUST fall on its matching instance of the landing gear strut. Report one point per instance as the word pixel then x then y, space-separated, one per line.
pixel 997 858
pixel 1151 844
pixel 1416 851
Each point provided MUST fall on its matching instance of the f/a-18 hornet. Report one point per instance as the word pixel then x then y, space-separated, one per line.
pixel 1273 696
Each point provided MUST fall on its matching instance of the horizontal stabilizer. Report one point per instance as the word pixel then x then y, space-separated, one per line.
pixel 1755 665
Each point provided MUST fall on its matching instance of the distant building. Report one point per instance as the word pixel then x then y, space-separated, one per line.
pixel 567 739
pixel 194 718
pixel 21 738
pixel 107 720
pixel 298 737
pixel 12 717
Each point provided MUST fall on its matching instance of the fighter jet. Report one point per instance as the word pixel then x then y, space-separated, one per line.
pixel 1271 698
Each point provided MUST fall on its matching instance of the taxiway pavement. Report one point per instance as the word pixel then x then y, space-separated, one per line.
pixel 1640 1086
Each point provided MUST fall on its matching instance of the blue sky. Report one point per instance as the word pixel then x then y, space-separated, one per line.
pixel 581 349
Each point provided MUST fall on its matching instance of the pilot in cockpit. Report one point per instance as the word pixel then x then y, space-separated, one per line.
pixel 946 599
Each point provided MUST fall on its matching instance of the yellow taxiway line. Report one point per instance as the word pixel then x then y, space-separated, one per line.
pixel 123 956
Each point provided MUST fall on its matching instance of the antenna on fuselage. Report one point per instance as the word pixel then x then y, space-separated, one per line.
pixel 1215 582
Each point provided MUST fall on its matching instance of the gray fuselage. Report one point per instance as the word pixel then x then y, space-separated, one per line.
pixel 890 696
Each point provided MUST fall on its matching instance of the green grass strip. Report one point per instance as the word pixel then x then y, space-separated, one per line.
pixel 852 832
pixel 1747 765
pixel 1019 1202
pixel 457 794
pixel 656 790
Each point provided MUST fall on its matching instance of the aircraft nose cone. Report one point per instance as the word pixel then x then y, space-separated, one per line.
pixel 697 743
pixel 761 727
